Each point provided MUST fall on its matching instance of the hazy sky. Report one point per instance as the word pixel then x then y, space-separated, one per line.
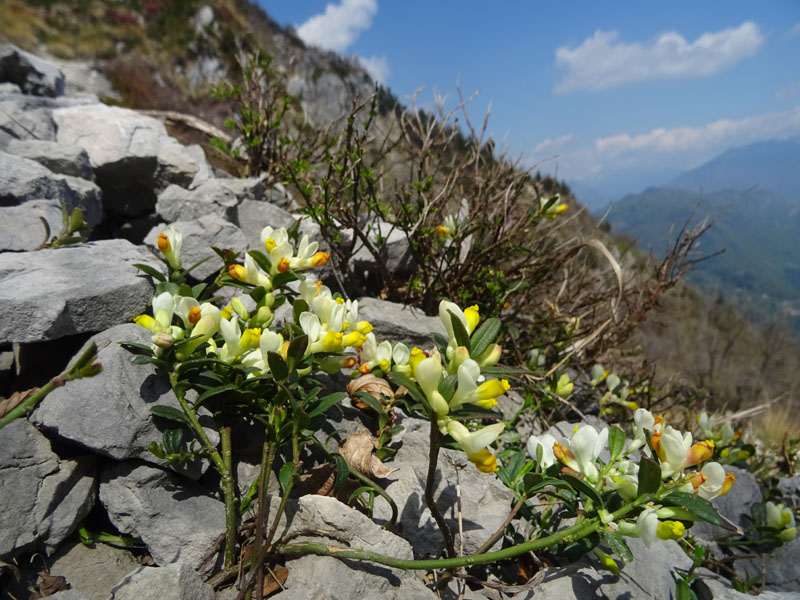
pixel 624 94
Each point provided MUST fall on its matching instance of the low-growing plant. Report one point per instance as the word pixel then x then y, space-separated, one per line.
pixel 237 364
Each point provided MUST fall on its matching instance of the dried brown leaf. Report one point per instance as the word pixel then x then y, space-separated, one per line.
pixel 357 451
pixel 17 398
pixel 375 386
pixel 274 580
pixel 50 584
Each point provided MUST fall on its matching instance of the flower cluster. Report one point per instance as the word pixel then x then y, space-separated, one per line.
pixel 678 460
pixel 471 386
pixel 236 335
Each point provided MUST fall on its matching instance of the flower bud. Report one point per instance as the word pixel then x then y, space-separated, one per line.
pixel 239 309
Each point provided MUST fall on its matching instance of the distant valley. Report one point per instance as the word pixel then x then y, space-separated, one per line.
pixel 753 193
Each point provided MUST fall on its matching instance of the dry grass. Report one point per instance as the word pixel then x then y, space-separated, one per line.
pixel 778 424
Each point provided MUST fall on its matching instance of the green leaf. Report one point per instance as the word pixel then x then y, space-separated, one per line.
pixel 139 349
pixel 281 279
pixel 485 336
pixel 616 441
pixel 649 476
pixel 155 450
pixel 683 591
pixel 167 286
pixel 530 482
pixel 441 341
pixel 342 473
pixel 694 504
pixel 198 289
pixel 172 439
pixel 370 401
pixel 325 403
pixel 169 412
pixel 297 348
pixel 447 387
pixel 154 273
pixel 300 306
pixel 261 260
pixel 504 371
pixel 618 546
pixel 582 486
pixel 277 366
pixel 411 386
pixel 210 393
pixel 459 331
pixel 257 293
pixel 285 475
pixel 359 491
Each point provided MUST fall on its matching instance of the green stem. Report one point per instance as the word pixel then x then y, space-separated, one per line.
pixel 430 484
pixel 577 531
pixel 229 494
pixel 79 369
pixel 219 464
pixel 381 492
pixel 267 457
pixel 496 535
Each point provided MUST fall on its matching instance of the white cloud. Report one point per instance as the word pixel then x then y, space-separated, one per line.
pixel 340 24
pixel 678 148
pixel 553 144
pixel 795 29
pixel 793 89
pixel 602 61
pixel 376 66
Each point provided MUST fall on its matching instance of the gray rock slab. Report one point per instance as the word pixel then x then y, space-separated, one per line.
pixel 43 497
pixel 21 226
pixel 253 215
pixel 110 412
pixel 713 587
pixel 58 292
pixel 32 74
pixel 59 158
pixel 399 323
pixel 171 582
pixel 392 243
pixel 132 156
pixel 485 502
pixel 176 518
pixel 198 237
pixel 93 571
pixel 70 595
pixel 24 180
pixel 347 579
pixel 648 576
pixel 218 196
pixel 734 505
pixel 790 488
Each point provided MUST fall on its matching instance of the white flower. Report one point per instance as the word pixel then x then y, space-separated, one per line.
pixel 169 242
pixel 648 526
pixel 474 443
pixel 546 441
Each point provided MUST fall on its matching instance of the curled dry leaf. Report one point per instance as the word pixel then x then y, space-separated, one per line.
pixel 17 398
pixel 274 580
pixel 357 451
pixel 375 386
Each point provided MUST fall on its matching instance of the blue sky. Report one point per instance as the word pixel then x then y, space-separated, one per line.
pixel 613 95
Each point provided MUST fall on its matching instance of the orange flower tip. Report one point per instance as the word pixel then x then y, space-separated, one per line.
pixel 194 314
pixel 364 369
pixel 349 362
pixel 163 242
pixel 319 259
pixel 237 272
pixel 283 265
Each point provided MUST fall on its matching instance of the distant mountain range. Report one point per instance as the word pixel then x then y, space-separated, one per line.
pixel 753 192
pixel 772 165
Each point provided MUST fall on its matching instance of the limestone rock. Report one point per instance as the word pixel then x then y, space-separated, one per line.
pixel 59 158
pixel 485 502
pixel 43 497
pixel 399 323
pixel 93 571
pixel 218 196
pixel 110 412
pixel 330 578
pixel 132 156
pixel 32 74
pixel 21 226
pixel 198 237
pixel 163 509
pixel 57 292
pixel 24 180
pixel 172 582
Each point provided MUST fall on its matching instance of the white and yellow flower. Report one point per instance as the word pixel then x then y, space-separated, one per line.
pixel 546 441
pixel 475 443
pixel 582 450
pixel 169 242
